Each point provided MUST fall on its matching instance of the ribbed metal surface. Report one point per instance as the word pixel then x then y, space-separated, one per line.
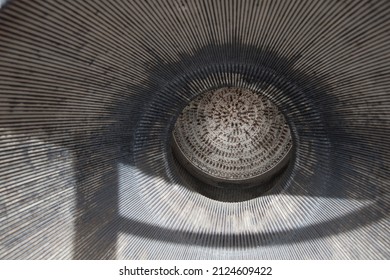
pixel 90 92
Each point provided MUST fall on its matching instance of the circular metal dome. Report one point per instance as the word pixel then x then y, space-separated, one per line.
pixel 232 135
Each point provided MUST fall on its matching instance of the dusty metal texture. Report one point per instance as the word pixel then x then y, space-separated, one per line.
pixel 90 92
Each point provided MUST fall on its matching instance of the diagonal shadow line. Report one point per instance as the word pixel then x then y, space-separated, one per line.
pixel 371 214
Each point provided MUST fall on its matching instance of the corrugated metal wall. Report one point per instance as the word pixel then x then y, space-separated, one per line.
pixel 89 93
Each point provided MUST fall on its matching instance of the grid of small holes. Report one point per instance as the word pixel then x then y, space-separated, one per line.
pixel 233 133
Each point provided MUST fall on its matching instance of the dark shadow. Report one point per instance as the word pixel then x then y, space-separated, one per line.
pixel 98 151
pixel 335 226
pixel 175 78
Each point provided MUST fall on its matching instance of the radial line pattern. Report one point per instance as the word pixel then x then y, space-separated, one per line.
pixel 90 93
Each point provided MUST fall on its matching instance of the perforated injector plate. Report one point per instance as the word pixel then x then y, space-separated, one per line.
pixel 232 137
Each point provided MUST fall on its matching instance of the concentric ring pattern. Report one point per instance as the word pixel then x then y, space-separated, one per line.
pixel 90 92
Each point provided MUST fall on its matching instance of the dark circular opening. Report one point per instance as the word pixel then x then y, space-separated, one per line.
pixel 232 143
